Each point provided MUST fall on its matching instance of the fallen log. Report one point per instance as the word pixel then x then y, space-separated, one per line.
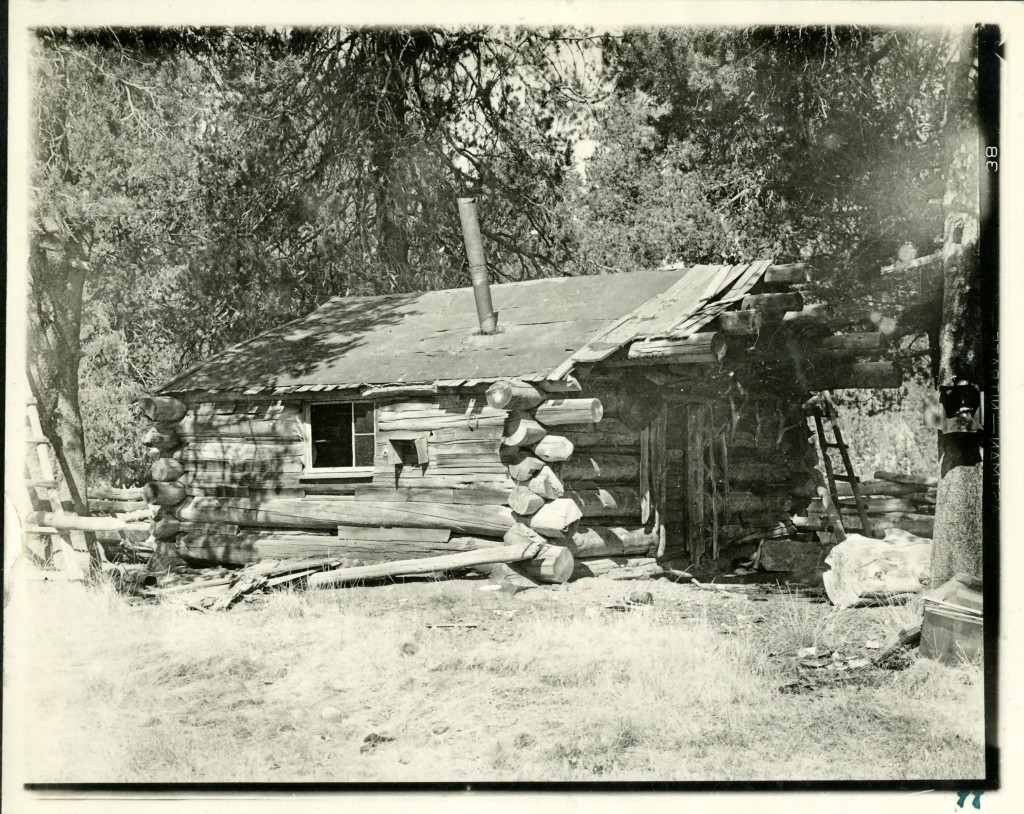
pixel 513 394
pixel 522 431
pixel 569 411
pixel 553 448
pixel 452 562
pixel 162 408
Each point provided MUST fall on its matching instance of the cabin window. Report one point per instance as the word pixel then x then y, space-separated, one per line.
pixel 340 437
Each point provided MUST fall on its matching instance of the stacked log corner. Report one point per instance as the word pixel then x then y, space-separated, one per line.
pixel 570 466
pixel 165 492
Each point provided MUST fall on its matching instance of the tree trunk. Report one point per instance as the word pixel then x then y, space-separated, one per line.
pixel 958 527
pixel 58 267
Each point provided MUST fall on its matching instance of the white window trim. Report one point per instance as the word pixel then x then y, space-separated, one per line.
pixel 335 472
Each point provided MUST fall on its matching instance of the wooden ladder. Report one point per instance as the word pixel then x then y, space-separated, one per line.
pixel 823 410
pixel 43 490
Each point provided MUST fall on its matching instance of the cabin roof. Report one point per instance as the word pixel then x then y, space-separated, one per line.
pixel 546 327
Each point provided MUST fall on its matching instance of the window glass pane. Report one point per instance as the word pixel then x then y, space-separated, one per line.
pixel 364 450
pixel 330 426
pixel 363 417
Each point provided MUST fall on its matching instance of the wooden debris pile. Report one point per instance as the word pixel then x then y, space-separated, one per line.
pixel 131 541
pixel 893 500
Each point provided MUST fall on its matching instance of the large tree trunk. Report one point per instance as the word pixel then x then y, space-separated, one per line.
pixel 958 528
pixel 58 269
pixel 58 280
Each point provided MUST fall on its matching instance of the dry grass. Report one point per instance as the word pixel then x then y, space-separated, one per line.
pixel 547 687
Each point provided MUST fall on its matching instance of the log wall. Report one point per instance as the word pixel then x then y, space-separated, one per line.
pixel 248 493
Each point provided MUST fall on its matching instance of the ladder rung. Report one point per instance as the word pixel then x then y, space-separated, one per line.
pixel 39 440
pixel 42 484
pixel 847 478
pixel 41 530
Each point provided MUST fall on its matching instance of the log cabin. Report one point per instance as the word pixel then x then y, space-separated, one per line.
pixel 623 417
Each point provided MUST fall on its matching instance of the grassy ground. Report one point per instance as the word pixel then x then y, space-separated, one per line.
pixel 548 686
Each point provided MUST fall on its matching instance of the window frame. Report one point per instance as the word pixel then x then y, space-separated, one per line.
pixel 310 472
